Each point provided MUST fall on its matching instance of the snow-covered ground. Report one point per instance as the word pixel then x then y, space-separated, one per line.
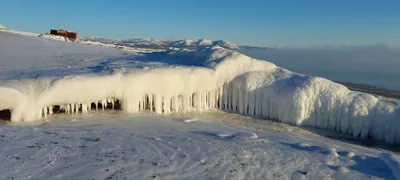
pixel 40 77
pixel 146 146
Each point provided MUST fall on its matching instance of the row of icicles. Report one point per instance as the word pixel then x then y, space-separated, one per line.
pixel 79 107
pixel 158 104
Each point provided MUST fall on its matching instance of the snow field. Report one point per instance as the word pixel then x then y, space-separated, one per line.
pixel 229 81
pixel 147 146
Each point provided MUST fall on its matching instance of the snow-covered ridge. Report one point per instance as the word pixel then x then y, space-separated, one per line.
pixel 186 43
pixel 163 44
pixel 229 81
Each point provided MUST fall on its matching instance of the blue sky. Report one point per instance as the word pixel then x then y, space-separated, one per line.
pixel 247 22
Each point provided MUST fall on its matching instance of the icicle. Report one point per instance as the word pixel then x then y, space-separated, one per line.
pixel 167 105
pixel 40 115
pixel 51 110
pixel 245 100
pixel 144 102
pixel 220 98
pixel 151 102
pixel 187 102
pixel 45 112
pixel 84 109
pixel 176 104
pixel 225 96
pixel 77 108
pixel 252 104
pixel 158 104
pixel 104 104
pixel 235 100
pixel 203 100
pixel 208 98
pixel 97 105
pixel 113 104
pixel 67 108
pixel 72 108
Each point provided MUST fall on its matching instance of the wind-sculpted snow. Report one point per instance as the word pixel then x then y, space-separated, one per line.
pixel 227 80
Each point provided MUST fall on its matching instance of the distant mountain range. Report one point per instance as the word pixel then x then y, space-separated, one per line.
pixel 163 44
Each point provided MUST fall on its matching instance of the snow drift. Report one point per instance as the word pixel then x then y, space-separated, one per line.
pixel 393 163
pixel 53 37
pixel 228 80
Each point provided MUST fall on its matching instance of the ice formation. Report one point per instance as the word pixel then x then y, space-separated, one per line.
pixel 229 81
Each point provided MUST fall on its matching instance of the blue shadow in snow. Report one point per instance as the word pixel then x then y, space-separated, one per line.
pixel 371 166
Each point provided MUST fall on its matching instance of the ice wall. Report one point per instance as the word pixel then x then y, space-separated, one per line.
pixel 312 101
pixel 228 80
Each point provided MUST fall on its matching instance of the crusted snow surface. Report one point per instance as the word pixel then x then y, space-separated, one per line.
pixel 223 79
pixel 392 162
pixel 147 146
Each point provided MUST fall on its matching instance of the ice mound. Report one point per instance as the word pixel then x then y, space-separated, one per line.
pixel 313 101
pixel 228 80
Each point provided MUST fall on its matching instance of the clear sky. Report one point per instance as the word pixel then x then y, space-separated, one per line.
pixel 246 22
